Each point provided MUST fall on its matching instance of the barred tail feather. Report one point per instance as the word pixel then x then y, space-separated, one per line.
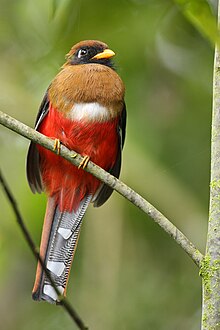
pixel 58 244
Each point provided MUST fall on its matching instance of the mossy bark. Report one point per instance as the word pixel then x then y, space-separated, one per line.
pixel 210 267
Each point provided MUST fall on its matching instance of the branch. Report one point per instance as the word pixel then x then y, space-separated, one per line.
pixel 111 181
pixel 63 301
pixel 210 270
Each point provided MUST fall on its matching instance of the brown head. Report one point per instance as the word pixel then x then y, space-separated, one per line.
pixel 87 77
pixel 90 51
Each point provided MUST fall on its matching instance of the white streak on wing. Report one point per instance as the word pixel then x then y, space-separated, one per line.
pixel 89 111
pixel 65 233
pixel 49 291
pixel 56 267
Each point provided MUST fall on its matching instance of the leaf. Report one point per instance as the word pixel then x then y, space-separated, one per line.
pixel 199 13
pixel 54 5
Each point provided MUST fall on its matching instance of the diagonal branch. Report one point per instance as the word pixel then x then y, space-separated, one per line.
pixel 63 301
pixel 110 180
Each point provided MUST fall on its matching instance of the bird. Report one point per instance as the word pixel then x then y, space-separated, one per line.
pixel 84 110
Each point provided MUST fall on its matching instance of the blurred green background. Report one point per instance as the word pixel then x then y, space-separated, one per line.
pixel 127 273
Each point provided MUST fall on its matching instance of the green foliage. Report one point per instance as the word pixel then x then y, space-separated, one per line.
pixel 54 7
pixel 126 271
pixel 199 13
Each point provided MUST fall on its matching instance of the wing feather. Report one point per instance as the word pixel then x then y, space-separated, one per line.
pixel 105 191
pixel 33 157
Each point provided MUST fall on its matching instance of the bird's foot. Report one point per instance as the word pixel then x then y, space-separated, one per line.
pixel 56 146
pixel 84 162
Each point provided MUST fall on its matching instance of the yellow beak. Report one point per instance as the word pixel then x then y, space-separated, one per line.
pixel 107 53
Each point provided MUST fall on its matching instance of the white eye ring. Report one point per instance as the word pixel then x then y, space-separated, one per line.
pixel 82 52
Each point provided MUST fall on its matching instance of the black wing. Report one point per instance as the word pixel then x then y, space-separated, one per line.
pixel 105 191
pixel 33 158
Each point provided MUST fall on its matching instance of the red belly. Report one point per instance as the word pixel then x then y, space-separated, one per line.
pixel 64 181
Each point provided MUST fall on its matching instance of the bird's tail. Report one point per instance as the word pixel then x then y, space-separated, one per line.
pixel 58 244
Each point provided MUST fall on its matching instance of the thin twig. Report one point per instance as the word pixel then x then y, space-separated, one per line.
pixel 63 301
pixel 111 181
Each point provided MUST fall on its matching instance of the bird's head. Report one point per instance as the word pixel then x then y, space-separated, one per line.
pixel 90 51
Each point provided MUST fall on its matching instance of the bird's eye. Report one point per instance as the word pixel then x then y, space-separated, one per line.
pixel 82 52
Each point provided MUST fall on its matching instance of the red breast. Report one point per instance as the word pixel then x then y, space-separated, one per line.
pixel 84 108
pixel 86 101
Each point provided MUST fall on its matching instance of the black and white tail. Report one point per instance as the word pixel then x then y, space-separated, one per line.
pixel 58 244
